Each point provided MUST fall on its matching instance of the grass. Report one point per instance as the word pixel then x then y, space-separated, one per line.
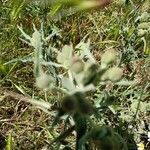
pixel 115 27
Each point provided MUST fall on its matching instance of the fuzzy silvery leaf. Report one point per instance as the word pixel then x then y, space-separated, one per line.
pixel 36 40
pixel 24 59
pixel 84 48
pixel 65 56
pixel 26 36
pixel 55 32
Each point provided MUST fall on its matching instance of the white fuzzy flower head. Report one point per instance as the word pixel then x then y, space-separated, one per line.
pixel 44 81
pixel 108 57
pixel 114 74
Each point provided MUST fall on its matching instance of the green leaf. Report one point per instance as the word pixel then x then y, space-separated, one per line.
pixel 9 141
pixel 55 9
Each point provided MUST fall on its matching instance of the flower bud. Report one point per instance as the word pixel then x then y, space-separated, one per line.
pixel 108 57
pixel 77 65
pixel 114 74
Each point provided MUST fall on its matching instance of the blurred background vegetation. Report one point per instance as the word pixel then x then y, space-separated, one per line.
pixel 123 25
